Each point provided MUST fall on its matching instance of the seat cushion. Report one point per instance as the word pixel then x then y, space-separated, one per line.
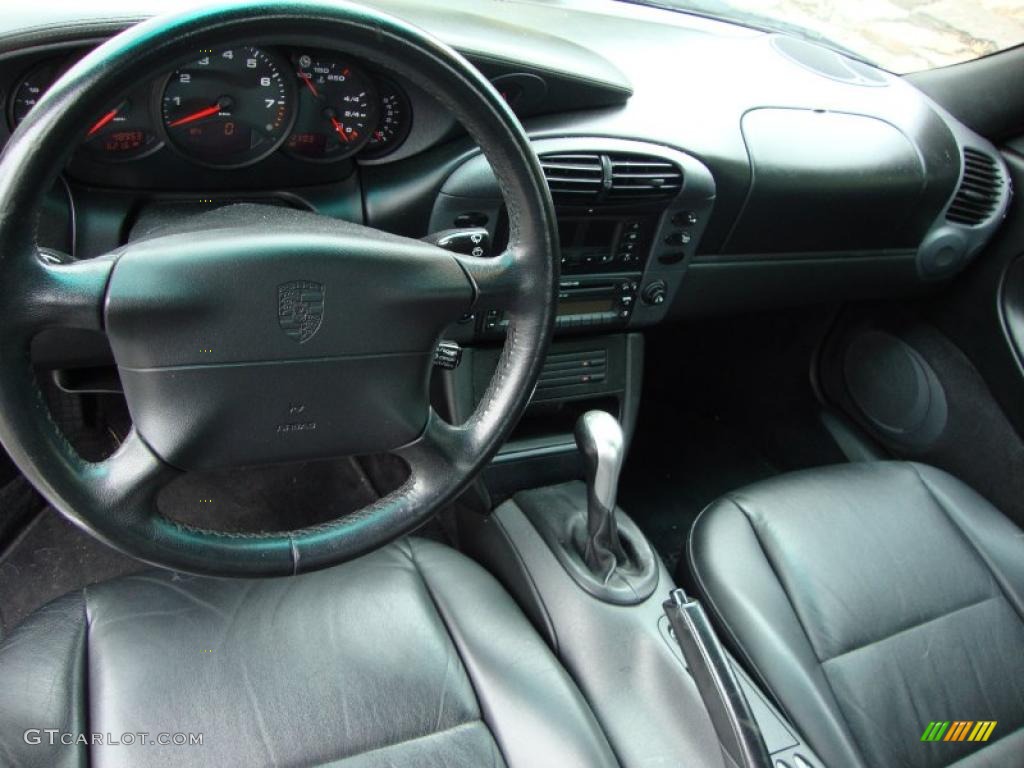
pixel 412 656
pixel 871 599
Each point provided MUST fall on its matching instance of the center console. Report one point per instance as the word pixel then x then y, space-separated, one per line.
pixel 593 586
pixel 630 216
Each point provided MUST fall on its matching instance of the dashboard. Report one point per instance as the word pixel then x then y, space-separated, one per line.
pixel 696 166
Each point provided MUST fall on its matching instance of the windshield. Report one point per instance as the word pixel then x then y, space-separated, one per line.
pixel 898 35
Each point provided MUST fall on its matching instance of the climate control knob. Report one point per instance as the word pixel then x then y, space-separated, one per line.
pixel 655 293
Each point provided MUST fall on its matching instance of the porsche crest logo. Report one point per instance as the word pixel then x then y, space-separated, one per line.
pixel 300 308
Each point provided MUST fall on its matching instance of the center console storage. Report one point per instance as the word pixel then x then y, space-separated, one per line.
pixel 582 374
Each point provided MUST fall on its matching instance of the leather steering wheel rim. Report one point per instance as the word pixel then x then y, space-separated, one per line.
pixel 115 499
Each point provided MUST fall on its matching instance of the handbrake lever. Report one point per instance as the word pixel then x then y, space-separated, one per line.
pixel 737 730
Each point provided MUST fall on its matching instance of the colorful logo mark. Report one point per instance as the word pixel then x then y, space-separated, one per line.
pixel 958 730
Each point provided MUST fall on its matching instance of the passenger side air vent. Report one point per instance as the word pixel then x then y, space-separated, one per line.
pixel 568 369
pixel 980 190
pixel 637 177
pixel 573 178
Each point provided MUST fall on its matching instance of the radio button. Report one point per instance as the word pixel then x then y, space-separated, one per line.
pixel 677 239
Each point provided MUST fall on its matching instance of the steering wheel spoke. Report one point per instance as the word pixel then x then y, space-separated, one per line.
pixel 64 295
pixel 499 282
pixel 435 453
pixel 132 476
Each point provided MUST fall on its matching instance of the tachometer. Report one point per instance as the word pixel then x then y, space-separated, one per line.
pixel 337 109
pixel 229 108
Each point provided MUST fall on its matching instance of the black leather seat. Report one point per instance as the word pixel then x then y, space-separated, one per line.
pixel 410 656
pixel 870 600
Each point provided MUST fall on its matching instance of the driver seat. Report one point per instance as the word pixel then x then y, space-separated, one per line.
pixel 412 655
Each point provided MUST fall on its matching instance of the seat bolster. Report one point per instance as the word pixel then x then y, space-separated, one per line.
pixel 43 686
pixel 535 711
pixel 740 588
pixel 998 542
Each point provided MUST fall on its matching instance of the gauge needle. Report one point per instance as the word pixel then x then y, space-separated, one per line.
pixel 103 121
pixel 308 80
pixel 207 112
pixel 339 128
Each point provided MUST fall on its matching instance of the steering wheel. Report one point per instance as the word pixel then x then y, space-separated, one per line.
pixel 212 374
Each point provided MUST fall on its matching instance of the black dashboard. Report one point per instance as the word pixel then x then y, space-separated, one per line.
pixel 696 166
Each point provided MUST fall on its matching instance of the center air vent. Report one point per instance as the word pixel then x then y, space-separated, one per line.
pixel 636 177
pixel 980 190
pixel 574 178
pixel 584 178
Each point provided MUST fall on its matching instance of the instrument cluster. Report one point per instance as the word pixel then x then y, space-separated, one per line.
pixel 233 107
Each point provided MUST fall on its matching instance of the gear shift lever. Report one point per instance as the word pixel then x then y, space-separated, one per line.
pixel 599 438
pixel 601 549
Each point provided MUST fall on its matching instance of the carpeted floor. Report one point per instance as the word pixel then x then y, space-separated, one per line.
pixel 666 482
pixel 51 556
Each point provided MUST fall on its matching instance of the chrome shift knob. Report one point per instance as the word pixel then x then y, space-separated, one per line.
pixel 599 438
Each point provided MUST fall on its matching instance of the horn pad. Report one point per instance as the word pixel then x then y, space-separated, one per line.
pixel 258 335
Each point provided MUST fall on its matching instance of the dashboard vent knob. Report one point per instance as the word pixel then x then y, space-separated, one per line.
pixel 980 190
pixel 573 177
pixel 638 177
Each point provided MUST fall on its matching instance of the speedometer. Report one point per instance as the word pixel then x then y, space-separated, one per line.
pixel 229 108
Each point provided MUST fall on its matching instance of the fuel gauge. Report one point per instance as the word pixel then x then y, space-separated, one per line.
pixel 31 88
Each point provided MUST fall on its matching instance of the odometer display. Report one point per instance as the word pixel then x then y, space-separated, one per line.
pixel 229 108
pixel 124 133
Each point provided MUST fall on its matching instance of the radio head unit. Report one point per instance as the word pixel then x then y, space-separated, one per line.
pixel 604 243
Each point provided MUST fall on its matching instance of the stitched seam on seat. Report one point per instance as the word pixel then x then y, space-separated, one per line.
pixel 411 554
pixel 899 632
pixel 841 718
pixel 706 593
pixel 85 673
pixel 778 579
pixel 970 542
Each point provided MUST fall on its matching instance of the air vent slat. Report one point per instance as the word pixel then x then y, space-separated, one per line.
pixel 980 190
pixel 578 176
pixel 637 177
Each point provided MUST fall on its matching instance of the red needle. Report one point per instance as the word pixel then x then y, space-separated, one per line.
pixel 308 80
pixel 207 112
pixel 103 121
pixel 339 128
